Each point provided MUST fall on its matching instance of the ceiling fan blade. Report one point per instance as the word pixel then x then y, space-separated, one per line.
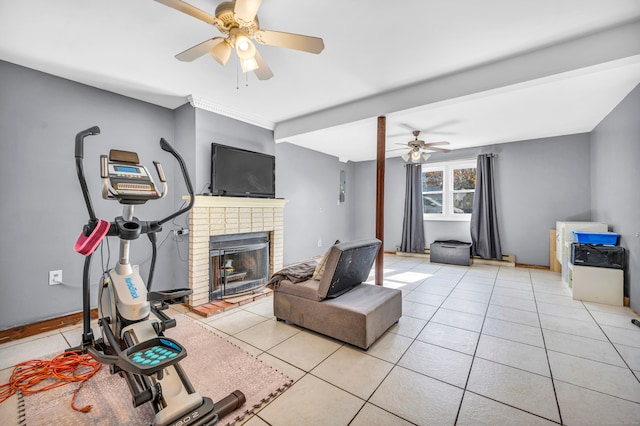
pixel 436 143
pixel 407 126
pixel 429 130
pixel 433 129
pixel 433 148
pixel 245 11
pixel 290 41
pixel 221 51
pixel 396 149
pixel 404 134
pixel 263 72
pixel 189 10
pixel 198 50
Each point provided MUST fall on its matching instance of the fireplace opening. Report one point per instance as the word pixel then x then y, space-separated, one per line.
pixel 239 264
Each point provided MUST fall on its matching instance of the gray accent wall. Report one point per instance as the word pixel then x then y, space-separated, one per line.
pixel 42 206
pixel 313 217
pixel 363 219
pixel 615 199
pixel 539 182
pixel 211 127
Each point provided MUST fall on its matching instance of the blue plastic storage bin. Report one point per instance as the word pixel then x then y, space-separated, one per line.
pixel 606 238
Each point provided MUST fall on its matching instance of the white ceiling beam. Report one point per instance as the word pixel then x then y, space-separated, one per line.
pixel 600 47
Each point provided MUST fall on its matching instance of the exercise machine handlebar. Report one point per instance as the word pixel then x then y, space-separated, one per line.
pixel 166 146
pixel 95 130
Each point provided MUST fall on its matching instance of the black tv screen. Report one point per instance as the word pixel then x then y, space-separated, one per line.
pixel 238 172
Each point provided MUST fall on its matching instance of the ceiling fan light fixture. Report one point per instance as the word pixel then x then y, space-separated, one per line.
pixel 425 156
pixel 221 52
pixel 249 64
pixel 244 48
pixel 406 156
pixel 246 51
pixel 415 154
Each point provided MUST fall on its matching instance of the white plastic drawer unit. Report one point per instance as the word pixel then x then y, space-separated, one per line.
pixel 564 238
pixel 564 233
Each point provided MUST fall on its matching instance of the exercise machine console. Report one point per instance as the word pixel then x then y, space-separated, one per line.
pixel 131 316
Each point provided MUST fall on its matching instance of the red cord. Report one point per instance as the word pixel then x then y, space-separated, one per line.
pixel 68 367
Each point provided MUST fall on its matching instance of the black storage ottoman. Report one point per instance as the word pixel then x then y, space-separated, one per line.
pixel 451 252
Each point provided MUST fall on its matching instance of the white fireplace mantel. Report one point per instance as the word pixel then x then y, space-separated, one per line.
pixel 225 216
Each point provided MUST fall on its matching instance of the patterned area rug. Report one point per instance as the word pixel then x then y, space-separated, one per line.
pixel 214 366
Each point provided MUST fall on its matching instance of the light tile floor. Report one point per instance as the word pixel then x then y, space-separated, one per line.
pixel 476 345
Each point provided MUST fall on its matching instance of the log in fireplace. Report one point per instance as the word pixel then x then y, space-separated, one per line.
pixel 239 264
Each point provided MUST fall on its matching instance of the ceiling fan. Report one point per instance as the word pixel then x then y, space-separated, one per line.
pixel 238 21
pixel 419 149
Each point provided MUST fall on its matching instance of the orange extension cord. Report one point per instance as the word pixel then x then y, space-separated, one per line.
pixel 68 367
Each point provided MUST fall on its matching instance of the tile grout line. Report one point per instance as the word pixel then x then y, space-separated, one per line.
pixel 546 351
pixel 395 364
pixel 612 344
pixel 306 373
pixel 585 358
pixel 473 357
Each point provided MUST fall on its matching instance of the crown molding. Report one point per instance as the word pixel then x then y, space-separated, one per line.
pixel 208 105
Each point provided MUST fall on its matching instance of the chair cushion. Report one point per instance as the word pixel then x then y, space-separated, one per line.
pixel 306 289
pixel 322 263
pixel 359 316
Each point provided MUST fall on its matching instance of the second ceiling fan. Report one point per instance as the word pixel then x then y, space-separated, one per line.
pixel 419 150
pixel 238 21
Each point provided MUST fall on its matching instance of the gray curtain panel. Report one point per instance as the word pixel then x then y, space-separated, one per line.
pixel 484 219
pixel 413 225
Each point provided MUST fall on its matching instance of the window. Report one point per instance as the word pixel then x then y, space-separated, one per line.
pixel 447 190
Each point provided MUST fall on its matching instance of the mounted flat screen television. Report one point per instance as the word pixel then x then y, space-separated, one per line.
pixel 238 172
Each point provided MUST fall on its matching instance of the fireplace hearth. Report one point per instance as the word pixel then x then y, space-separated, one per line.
pixel 239 264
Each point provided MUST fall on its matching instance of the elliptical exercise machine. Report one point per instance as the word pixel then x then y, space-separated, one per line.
pixel 130 314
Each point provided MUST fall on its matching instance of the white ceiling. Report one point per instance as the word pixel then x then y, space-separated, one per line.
pixel 470 72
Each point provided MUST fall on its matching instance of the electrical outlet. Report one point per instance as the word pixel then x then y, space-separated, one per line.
pixel 55 277
pixel 183 231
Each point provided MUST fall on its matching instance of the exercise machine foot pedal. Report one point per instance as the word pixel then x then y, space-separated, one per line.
pixel 151 356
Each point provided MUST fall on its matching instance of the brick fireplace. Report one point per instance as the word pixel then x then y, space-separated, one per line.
pixel 212 216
